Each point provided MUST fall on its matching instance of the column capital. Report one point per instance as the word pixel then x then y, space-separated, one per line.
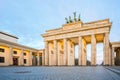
pixel 22 50
pixel 10 46
pixel 106 36
pixel 106 33
pixel 37 52
pixel 30 51
pixel 65 38
pixel 92 34
pixel 46 41
pixel 55 40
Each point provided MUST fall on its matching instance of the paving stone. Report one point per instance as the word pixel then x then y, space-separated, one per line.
pixel 57 73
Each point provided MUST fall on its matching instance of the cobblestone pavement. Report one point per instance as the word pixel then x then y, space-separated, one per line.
pixel 116 67
pixel 57 73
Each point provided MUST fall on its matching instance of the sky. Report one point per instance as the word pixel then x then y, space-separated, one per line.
pixel 28 19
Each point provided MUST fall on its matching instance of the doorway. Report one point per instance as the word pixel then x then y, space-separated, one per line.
pixel 15 61
pixel 40 60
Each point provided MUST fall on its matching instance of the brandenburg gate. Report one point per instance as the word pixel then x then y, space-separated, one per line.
pixel 60 43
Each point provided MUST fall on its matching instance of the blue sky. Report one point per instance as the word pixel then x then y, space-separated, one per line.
pixel 28 19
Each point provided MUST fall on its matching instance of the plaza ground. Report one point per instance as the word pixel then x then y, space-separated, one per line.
pixel 59 73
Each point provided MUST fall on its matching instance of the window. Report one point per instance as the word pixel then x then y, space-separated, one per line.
pixel 15 52
pixel 25 61
pixel 2 59
pixel 24 54
pixel 2 50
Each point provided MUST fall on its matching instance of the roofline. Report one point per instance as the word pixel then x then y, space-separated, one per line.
pixel 9 35
pixel 82 28
pixel 118 42
pixel 53 29
pixel 42 49
pixel 16 44
pixel 107 19
pixel 91 22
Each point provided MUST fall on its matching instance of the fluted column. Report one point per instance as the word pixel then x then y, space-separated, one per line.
pixel 84 55
pixel 34 59
pixel 46 53
pixel 22 58
pixel 55 52
pixel 80 51
pixel 11 56
pixel 106 49
pixel 113 62
pixel 38 58
pixel 65 52
pixel 110 55
pixel 43 58
pixel 93 50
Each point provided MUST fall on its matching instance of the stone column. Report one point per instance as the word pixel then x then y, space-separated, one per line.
pixel 34 60
pixel 74 53
pixel 58 53
pixel 55 52
pixel 11 56
pixel 30 58
pixel 46 53
pixel 110 55
pixel 84 56
pixel 113 61
pixel 93 50
pixel 106 49
pixel 117 60
pixel 119 57
pixel 80 51
pixel 22 58
pixel 38 58
pixel 43 58
pixel 65 52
